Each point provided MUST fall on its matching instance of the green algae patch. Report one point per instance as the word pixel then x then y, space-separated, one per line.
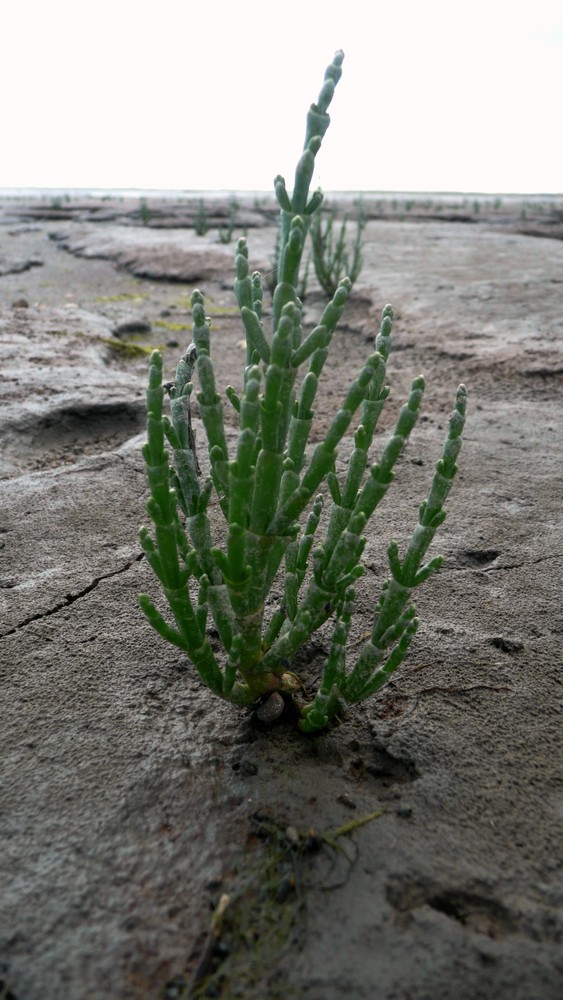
pixel 127 348
pixel 259 917
pixel 173 327
pixel 255 920
pixel 124 297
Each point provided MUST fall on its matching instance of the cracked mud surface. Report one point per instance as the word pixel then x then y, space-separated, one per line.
pixel 131 800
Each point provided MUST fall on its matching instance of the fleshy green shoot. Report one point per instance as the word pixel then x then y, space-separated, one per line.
pixel 270 490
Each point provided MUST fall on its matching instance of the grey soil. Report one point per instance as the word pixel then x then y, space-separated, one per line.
pixel 133 802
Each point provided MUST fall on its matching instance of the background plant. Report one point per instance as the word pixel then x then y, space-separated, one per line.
pixel 268 491
pixel 144 211
pixel 201 221
pixel 333 257
pixel 226 232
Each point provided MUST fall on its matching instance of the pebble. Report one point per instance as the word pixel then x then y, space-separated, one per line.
pixel 271 709
pixel 404 812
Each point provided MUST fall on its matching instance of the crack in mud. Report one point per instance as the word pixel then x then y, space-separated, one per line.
pixel 480 567
pixel 395 707
pixel 71 598
pixel 527 562
pixel 478 911
pixel 475 906
pixel 387 769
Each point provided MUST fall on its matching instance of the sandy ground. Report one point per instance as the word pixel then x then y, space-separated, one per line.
pixel 412 850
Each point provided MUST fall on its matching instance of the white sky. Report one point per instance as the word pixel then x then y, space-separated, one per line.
pixel 436 95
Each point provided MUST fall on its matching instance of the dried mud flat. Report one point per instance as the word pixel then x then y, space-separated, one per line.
pixel 132 802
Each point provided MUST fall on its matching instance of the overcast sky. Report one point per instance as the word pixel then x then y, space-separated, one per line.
pixel 435 95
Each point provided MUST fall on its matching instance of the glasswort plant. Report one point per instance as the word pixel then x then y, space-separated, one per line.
pixel 268 491
pixel 330 250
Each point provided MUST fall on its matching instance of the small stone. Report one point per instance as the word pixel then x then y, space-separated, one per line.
pixel 285 888
pixel 271 709
pixel 345 799
pixel 20 304
pixel 404 812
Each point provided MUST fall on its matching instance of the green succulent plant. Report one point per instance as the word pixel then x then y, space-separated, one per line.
pixel 269 491
pixel 331 258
